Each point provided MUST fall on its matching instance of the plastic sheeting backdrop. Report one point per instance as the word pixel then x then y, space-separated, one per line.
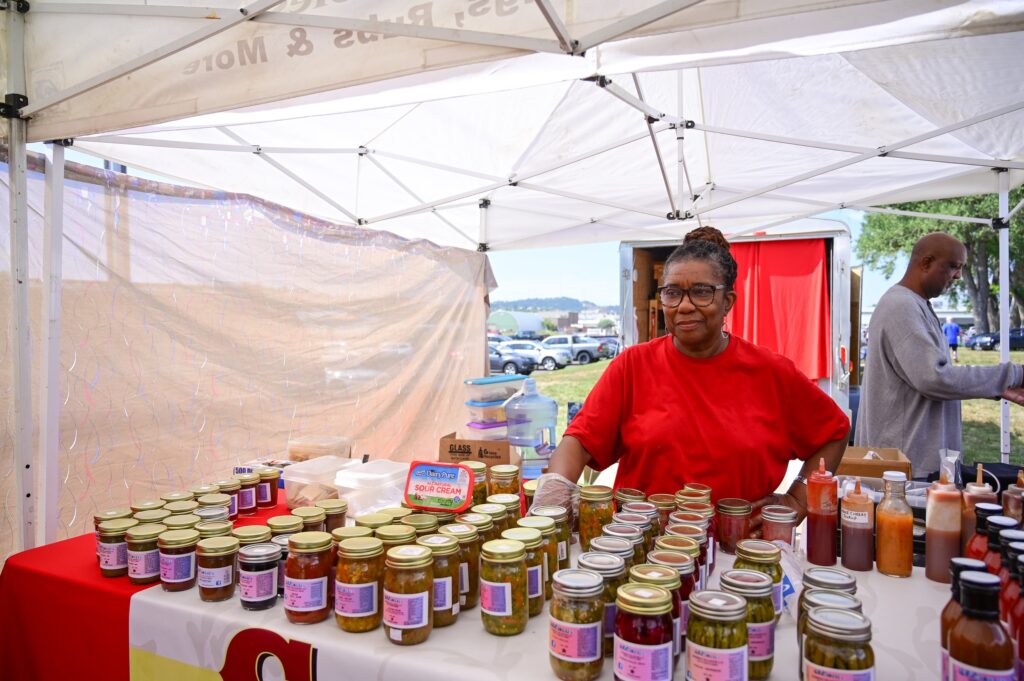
pixel 202 329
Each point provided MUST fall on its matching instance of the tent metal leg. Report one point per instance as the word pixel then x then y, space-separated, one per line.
pixel 49 397
pixel 1004 305
pixel 673 209
pixel 482 244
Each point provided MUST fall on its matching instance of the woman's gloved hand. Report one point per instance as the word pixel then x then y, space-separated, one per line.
pixel 556 490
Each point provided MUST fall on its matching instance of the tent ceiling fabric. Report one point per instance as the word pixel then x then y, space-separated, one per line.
pixel 561 160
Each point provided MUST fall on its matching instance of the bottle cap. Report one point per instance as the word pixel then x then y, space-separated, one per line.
pixel 894 476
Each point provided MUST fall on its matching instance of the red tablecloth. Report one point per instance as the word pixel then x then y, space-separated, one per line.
pixel 57 611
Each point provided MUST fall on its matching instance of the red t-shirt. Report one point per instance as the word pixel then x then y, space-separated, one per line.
pixel 732 421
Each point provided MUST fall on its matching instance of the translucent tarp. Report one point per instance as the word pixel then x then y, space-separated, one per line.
pixel 203 329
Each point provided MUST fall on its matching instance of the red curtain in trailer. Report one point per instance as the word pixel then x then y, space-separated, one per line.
pixel 782 301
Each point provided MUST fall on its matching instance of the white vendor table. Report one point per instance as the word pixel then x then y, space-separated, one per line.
pixel 173 634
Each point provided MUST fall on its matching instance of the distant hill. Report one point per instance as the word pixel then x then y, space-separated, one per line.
pixel 541 304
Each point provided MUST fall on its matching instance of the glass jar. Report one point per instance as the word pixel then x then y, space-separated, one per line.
pixel 181 522
pixel 215 563
pixel 894 528
pixel 469 562
pixel 396 513
pixel 483 524
pixel 666 504
pixel 701 538
pixel 313 518
pixel 503 479
pixel 716 636
pixel 503 590
pixel 143 555
pixel 267 488
pixel 837 639
pixel 820 598
pixel 373 520
pixel 498 514
pixel 643 633
pixel 215 500
pixel 549 545
pixel 512 504
pixel 561 518
pixel 259 570
pixel 952 611
pixel 529 491
pixel 335 510
pixel 281 542
pixel 443 517
pixel 137 507
pixel 479 469
pixel 533 541
pixel 778 523
pixel 350 532
pixel 756 588
pixel 733 523
pixel 213 528
pixel 207 513
pixel 284 524
pixel 649 511
pixel 180 507
pixel 640 521
pixel 667 578
pixel 358 592
pixel 445 602
pixel 231 487
pixel 395 535
pixel 698 488
pixel 307 577
pixel 614 546
pixel 631 533
pixel 156 516
pixel 408 585
pixel 251 534
pixel 705 509
pixel 613 575
pixel 247 492
pixel 762 556
pixel 684 497
pixel 979 646
pixel 596 510
pixel 177 559
pixel 686 566
pixel 574 628
pixel 422 523
pixel 204 488
pixel 624 495
pixel 113 546
pixel 817 577
pixel 176 496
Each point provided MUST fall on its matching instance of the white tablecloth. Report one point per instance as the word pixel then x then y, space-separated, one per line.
pixel 172 632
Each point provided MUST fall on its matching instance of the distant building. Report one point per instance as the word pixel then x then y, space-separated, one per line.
pixel 512 323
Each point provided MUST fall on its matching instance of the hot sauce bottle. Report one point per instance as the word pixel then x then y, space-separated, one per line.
pixel 942 529
pixel 951 613
pixel 979 646
pixel 858 518
pixel 977 547
pixel 994 555
pixel 894 551
pixel 1009 586
pixel 975 493
pixel 822 516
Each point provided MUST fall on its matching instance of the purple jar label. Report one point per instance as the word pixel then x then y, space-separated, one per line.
pixel 443 593
pixel 406 611
pixel 355 600
pixel 143 564
pixel 263 492
pixel 496 598
pixel 113 556
pixel 214 578
pixel 635 662
pixel 177 568
pixel 574 642
pixel 761 640
pixel 246 498
pixel 715 664
pixel 305 595
pixel 258 586
pixel 535 581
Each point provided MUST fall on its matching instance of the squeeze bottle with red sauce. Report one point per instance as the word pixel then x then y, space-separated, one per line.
pixel 974 493
pixel 942 529
pixel 822 516
pixel 858 519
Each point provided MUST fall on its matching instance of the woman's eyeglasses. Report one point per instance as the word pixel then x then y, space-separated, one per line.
pixel 701 295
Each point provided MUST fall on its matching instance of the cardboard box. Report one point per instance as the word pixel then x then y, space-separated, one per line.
pixel 458 450
pixel 854 463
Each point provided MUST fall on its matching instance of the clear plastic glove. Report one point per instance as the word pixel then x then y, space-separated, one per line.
pixel 557 490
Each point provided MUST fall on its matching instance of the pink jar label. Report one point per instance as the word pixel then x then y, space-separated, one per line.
pixel 535 581
pixel 443 593
pixel 610 610
pixel 777 597
pixel 496 598
pixel 355 600
pixel 263 492
pixel 143 564
pixel 214 578
pixel 246 498
pixel 574 642
pixel 305 595
pixel 177 568
pixel 258 586
pixel 958 671
pixel 635 662
pixel 715 664
pixel 113 556
pixel 406 611
pixel 813 672
pixel 761 640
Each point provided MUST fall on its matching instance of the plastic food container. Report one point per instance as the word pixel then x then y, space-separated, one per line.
pixel 314 446
pixel 487 412
pixel 486 431
pixel 311 481
pixel 371 486
pixel 493 388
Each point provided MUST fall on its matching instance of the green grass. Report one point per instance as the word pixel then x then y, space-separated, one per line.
pixel 980 417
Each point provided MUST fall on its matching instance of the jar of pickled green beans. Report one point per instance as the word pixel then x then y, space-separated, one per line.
pixel 756 588
pixel 716 636
pixel 837 640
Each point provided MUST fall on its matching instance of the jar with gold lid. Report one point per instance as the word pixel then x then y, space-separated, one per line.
pixel 443 517
pixel 177 496
pixel 247 492
pixel 202 489
pixel 733 523
pixel 596 510
pixel 178 559
pixel 422 523
pixel 503 479
pixel 624 495
pixel 231 487
pixel 497 512
pixel 667 578
pixel 503 589
pixel 313 518
pixel 358 586
pixel 252 534
pixel 215 567
pixel 181 507
pixel 529 492
pixel 408 586
pixel 483 524
pixel 396 512
pixel 284 524
pixel 307 577
pixel 157 515
pixel 532 540
pixel 445 598
pixel 350 532
pixel 103 516
pixel 215 500
pixel 766 557
pixel 213 528
pixel 479 469
pixel 395 535
pixel 147 505
pixel 643 630
pixel 469 562
pixel 561 518
pixel 549 546
pixel 512 504
pixel 335 510
pixel 113 546
pixel 180 522
pixel 267 487
pixel 373 520
pixel 143 554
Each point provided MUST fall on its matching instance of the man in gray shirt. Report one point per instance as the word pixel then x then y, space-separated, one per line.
pixel 911 393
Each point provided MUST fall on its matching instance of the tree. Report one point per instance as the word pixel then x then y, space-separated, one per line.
pixel 606 324
pixel 549 325
pixel 886 237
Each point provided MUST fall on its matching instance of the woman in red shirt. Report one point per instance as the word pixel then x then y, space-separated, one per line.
pixel 700 405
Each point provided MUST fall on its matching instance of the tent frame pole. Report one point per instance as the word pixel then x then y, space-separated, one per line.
pixel 209 146
pixel 557 26
pixel 49 396
pixel 21 339
pixel 1003 229
pixel 673 210
pixel 589 199
pixel 482 245
pixel 1015 209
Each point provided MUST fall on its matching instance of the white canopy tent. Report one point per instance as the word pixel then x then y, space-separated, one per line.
pixel 513 124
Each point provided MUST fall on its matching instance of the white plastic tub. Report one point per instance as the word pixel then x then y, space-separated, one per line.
pixel 372 485
pixel 308 482
pixel 493 388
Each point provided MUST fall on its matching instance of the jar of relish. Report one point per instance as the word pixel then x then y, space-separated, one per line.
pixel 266 489
pixel 373 520
pixel 686 566
pixel 561 518
pixel 503 590
pixel 178 559
pixel 408 587
pixel 716 636
pixel 422 523
pixel 503 479
pixel 549 545
pixel 733 522
pixel 445 600
pixel 231 487
pixel 497 512
pixel 358 588
pixel 667 578
pixel 259 567
pixel 631 533
pixel 313 518
pixel 335 510
pixel 307 577
pixel 215 566
pixel 574 628
pixel 483 524
pixel 143 554
pixel 762 556
pixel 643 633
pixel 596 510
pixel 113 546
pixel 532 540
pixel 395 535
pixel 613 574
pixel 469 562
pixel 512 504
pixel 479 469
pixel 756 588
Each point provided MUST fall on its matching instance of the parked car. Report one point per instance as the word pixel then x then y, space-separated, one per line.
pixel 611 342
pixel 982 341
pixel 1016 340
pixel 509 362
pixel 582 349
pixel 497 338
pixel 548 358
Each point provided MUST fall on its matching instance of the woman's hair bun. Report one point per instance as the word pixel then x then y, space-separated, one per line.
pixel 708 233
